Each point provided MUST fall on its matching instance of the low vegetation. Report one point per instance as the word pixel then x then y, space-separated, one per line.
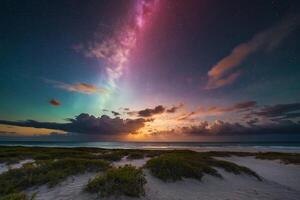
pixel 187 164
pixel 136 155
pixel 15 154
pixel 287 158
pixel 49 172
pixel 127 180
pixel 17 196
pixel 53 165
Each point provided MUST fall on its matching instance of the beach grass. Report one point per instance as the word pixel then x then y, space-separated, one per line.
pixel 15 154
pixel 136 155
pixel 10 155
pixel 286 158
pixel 188 164
pixel 18 196
pixel 126 180
pixel 49 172
pixel 53 165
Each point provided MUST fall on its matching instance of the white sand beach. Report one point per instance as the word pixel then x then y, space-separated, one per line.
pixel 280 181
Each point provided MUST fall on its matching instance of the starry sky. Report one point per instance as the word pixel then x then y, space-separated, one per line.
pixel 150 70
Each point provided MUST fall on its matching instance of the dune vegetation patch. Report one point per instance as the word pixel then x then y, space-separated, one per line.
pixel 49 172
pixel 16 196
pixel 127 180
pixel 136 155
pixel 11 155
pixel 286 158
pixel 187 164
pixel 112 155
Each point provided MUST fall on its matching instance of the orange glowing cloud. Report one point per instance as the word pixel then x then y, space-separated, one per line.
pixel 84 88
pixel 221 74
pixel 26 131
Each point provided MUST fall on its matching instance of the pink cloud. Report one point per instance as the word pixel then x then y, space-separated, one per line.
pixel 222 73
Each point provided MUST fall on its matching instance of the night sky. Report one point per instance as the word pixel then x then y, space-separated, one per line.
pixel 150 70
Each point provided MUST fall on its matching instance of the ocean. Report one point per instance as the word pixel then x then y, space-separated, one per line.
pixel 197 146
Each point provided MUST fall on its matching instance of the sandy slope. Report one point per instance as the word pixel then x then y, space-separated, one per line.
pixel 230 188
pixel 275 171
pixel 125 161
pixel 4 167
pixel 210 188
pixel 70 189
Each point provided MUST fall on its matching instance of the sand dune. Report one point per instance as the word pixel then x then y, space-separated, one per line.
pixel 70 189
pixel 274 171
pixel 279 182
pixel 136 163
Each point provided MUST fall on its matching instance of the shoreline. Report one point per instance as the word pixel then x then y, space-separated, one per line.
pixel 293 147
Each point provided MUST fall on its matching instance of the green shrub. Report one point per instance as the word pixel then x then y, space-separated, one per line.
pixel 175 166
pixel 17 196
pixel 126 180
pixel 113 155
pixel 233 168
pixel 136 155
pixel 46 172
pixel 287 158
pixel 15 154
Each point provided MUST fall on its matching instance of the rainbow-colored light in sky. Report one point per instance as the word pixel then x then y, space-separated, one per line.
pixel 116 49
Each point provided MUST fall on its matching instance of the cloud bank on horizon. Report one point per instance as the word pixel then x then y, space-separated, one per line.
pixel 257 120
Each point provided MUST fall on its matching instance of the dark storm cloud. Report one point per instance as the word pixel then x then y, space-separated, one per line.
pixel 54 102
pixel 245 105
pixel 251 122
pixel 50 137
pixel 115 113
pixel 174 108
pixel 240 106
pixel 291 110
pixel 87 124
pixel 225 128
pixel 148 112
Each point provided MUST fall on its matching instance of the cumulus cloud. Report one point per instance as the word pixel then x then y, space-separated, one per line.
pixel 221 128
pixel 149 112
pixel 54 102
pixel 84 88
pixel 222 73
pixel 87 124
